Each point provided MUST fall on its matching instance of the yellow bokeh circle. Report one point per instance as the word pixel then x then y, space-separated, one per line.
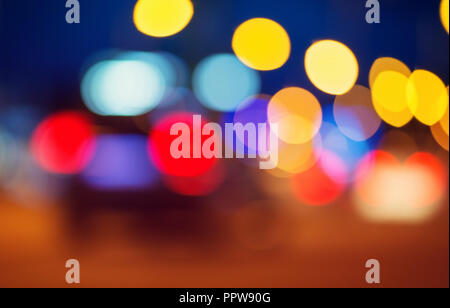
pixel 388 79
pixel 162 18
pixel 387 64
pixel 445 120
pixel 332 67
pixel 262 44
pixel 444 12
pixel 427 97
pixel 389 91
pixel 297 115
pixel 389 97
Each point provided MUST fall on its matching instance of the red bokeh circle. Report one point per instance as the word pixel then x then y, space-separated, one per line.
pixel 159 148
pixel 64 142
pixel 315 187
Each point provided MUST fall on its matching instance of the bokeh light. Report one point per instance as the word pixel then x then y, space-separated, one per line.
pixel 297 113
pixel 252 111
pixel 170 67
pixel 63 143
pixel 385 91
pixel 315 187
pixel 438 175
pixel 221 82
pixel 297 158
pixel 386 64
pixel 410 192
pixel 249 111
pixel 444 13
pixel 346 151
pixel 389 97
pixel 123 87
pixel 427 97
pixel 162 18
pixel 445 119
pixel 160 145
pixel 335 167
pixel 355 115
pixel 331 66
pixel 368 164
pixel 262 44
pixel 120 162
